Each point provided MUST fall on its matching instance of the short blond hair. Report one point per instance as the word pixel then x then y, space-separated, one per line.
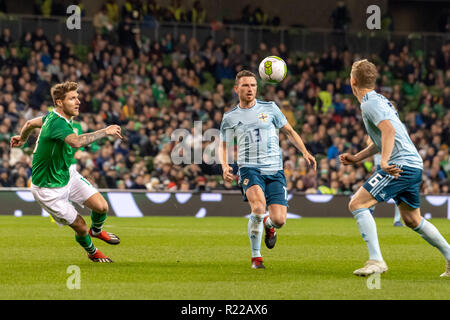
pixel 365 73
pixel 58 91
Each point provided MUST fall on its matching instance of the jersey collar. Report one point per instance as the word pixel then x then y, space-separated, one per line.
pixel 366 96
pixel 68 121
pixel 247 109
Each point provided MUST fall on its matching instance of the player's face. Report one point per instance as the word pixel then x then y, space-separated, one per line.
pixel 71 104
pixel 246 89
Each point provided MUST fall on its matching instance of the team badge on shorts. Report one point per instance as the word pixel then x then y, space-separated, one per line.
pixel 245 182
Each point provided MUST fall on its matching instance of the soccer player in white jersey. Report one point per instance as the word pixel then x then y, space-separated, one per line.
pixel 400 175
pixel 255 125
pixel 55 182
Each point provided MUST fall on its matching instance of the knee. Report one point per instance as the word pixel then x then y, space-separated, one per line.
pixel 82 231
pixel 102 207
pixel 258 207
pixel 411 222
pixel 352 205
pixel 279 221
pixel 80 227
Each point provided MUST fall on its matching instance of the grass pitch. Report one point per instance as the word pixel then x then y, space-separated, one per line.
pixel 189 258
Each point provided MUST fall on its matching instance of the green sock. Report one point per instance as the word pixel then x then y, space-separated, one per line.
pixel 86 243
pixel 97 221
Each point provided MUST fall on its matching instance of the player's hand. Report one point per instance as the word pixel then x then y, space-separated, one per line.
pixel 347 158
pixel 228 173
pixel 114 131
pixel 392 170
pixel 78 154
pixel 310 160
pixel 16 142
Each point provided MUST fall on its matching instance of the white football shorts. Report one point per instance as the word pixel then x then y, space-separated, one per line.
pixel 57 201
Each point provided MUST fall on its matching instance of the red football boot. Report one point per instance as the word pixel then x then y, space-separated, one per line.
pixel 108 237
pixel 257 263
pixel 270 238
pixel 99 257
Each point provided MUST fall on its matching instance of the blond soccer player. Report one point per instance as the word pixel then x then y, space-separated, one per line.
pixel 399 176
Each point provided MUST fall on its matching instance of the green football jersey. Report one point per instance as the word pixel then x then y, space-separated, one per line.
pixel 79 131
pixel 52 156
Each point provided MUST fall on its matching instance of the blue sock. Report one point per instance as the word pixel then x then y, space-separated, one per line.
pixel 368 229
pixel 255 230
pixel 432 235
pixel 397 214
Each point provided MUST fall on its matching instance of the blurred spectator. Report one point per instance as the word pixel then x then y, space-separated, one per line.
pixel 112 10
pixel 5 38
pixel 260 17
pixel 131 10
pixel 102 21
pixel 177 11
pixel 443 58
pixel 197 14
pixel 340 17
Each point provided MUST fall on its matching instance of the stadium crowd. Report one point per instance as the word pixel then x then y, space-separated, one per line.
pixel 156 11
pixel 152 88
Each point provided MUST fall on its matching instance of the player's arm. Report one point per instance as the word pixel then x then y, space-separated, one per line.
pixel 387 143
pixel 370 150
pixel 78 141
pixel 295 139
pixel 373 112
pixel 225 135
pixel 30 125
pixel 226 169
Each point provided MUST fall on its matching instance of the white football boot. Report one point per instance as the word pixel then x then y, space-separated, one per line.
pixel 371 267
pixel 447 270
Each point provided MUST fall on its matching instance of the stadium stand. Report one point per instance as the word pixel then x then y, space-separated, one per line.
pixel 152 88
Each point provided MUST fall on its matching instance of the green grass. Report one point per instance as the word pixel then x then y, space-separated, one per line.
pixel 189 258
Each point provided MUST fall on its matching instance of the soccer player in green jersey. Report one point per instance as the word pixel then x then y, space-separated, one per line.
pixel 55 182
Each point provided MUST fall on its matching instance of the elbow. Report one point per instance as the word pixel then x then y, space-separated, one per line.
pixel 28 125
pixel 289 134
pixel 75 144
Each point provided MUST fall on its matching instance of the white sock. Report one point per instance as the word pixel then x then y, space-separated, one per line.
pixel 368 229
pixel 432 235
pixel 270 224
pixel 397 214
pixel 255 230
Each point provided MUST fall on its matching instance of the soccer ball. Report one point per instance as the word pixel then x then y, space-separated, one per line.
pixel 272 69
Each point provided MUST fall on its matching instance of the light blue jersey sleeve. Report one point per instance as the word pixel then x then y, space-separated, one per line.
pixel 224 128
pixel 279 120
pixel 374 113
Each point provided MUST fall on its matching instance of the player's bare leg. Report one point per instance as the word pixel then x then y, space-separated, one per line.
pixel 275 220
pixel 257 201
pixel 413 219
pixel 99 208
pixel 80 226
pixel 359 207
pixel 82 237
